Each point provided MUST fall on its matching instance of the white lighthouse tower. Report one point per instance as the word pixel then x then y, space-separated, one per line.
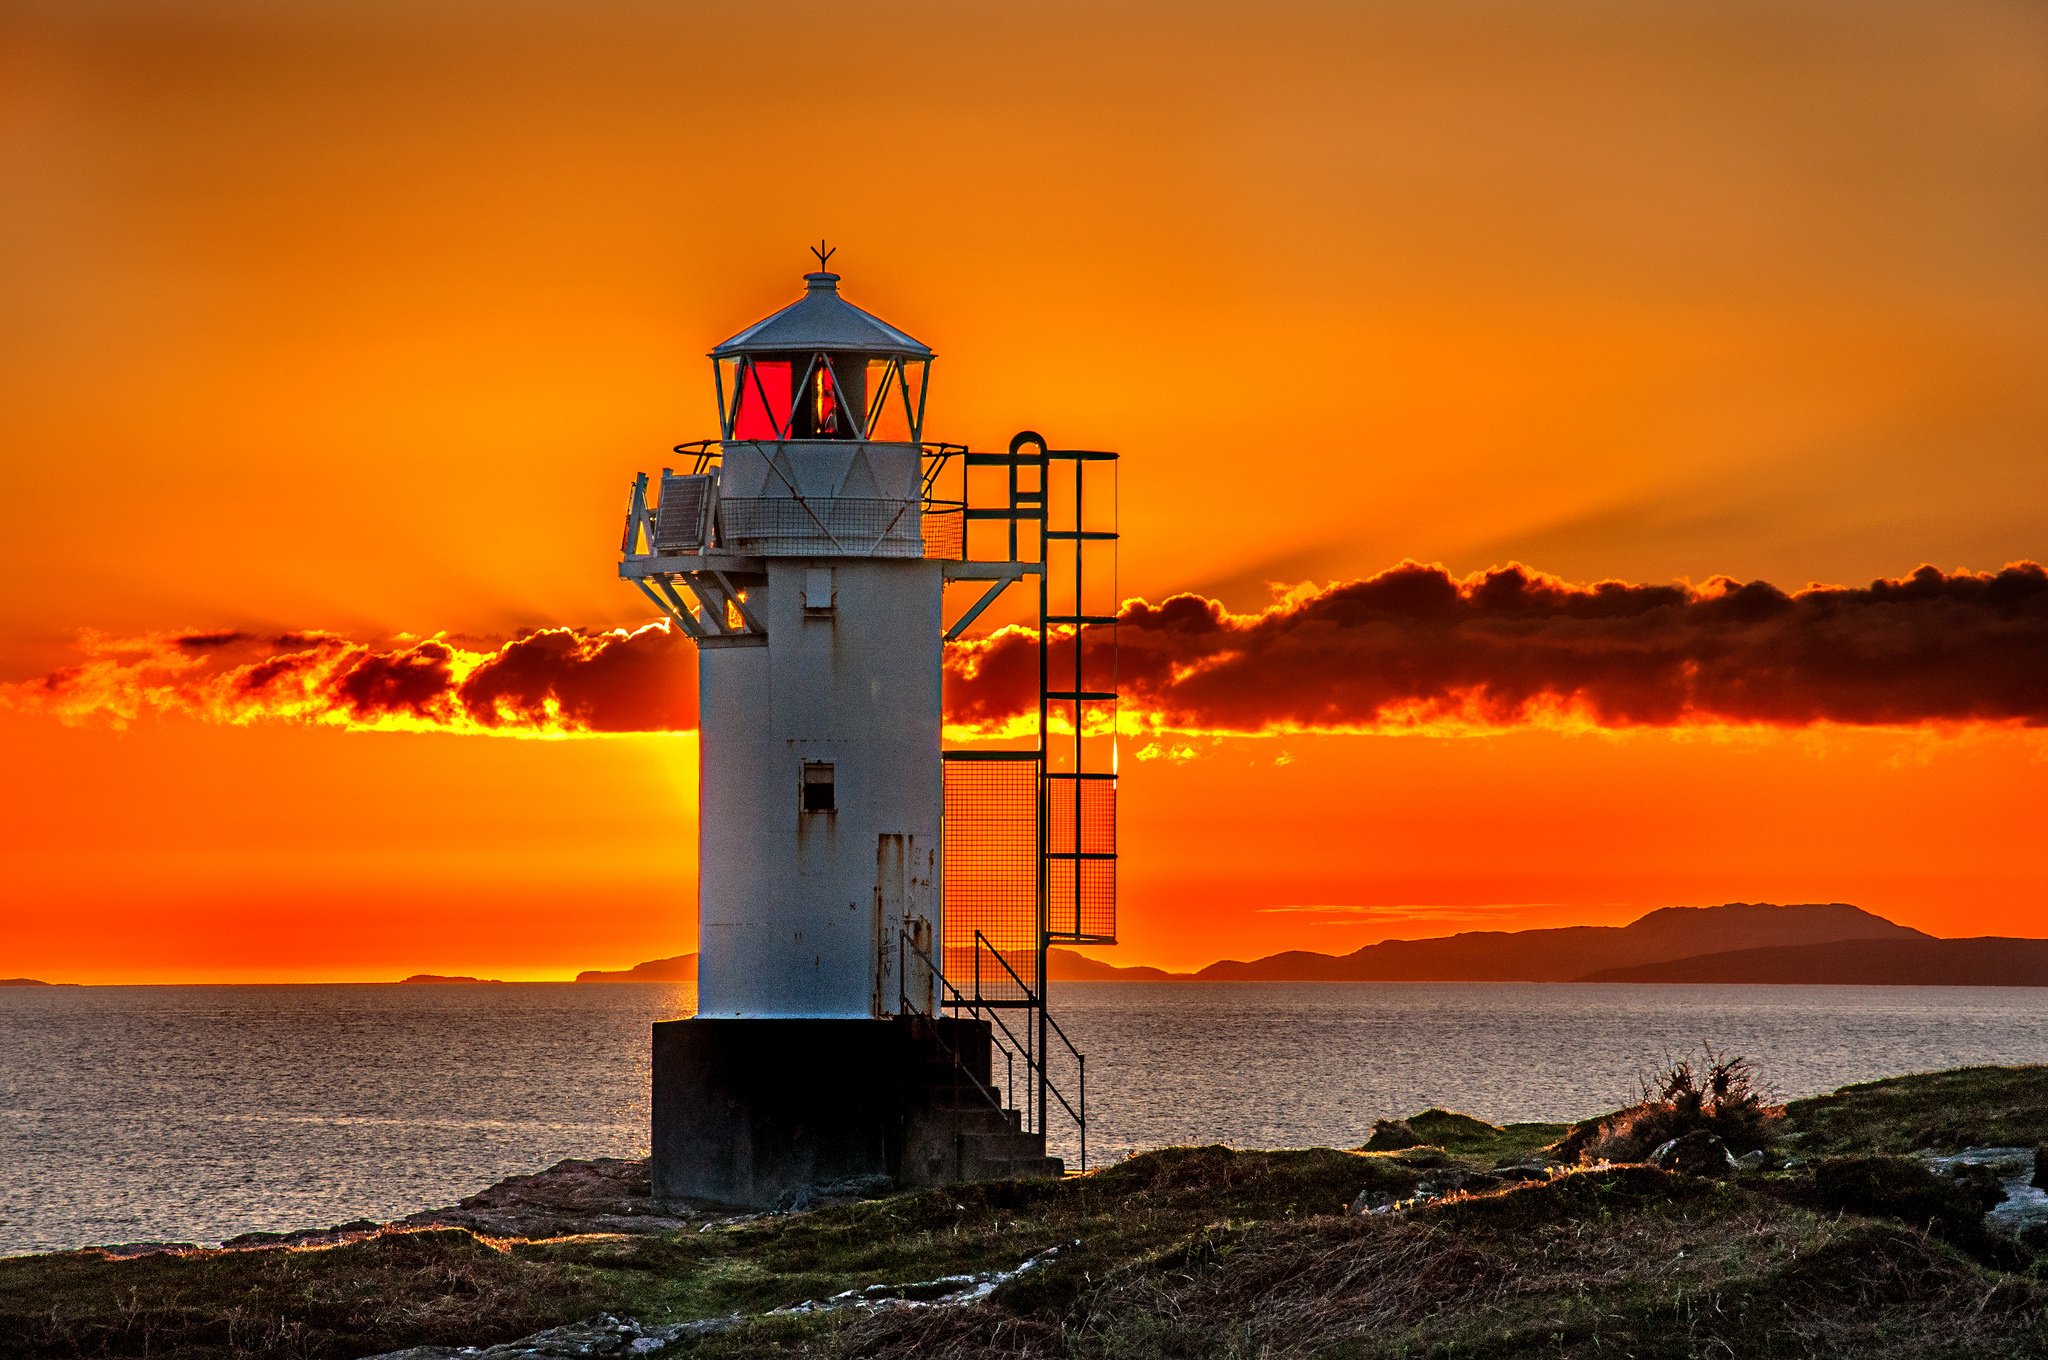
pixel 845 1029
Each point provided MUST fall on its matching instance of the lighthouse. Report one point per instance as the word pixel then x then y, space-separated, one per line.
pixel 874 911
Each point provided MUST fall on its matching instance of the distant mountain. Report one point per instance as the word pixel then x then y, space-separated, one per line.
pixel 681 968
pixel 1569 953
pixel 441 977
pixel 32 982
pixel 1983 962
pixel 1812 942
pixel 1064 965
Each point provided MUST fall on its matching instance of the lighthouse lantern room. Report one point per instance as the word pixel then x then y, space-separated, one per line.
pixel 875 911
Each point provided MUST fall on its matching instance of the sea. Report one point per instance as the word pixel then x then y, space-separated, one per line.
pixel 191 1114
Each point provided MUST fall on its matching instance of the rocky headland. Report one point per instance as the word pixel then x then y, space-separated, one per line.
pixel 1904 1217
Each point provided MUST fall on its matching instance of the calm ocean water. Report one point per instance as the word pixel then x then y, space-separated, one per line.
pixel 194 1113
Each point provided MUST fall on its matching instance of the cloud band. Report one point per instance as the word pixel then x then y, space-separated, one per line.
pixel 1412 646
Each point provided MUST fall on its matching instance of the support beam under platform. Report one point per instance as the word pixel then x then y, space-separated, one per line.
pixel 755 1112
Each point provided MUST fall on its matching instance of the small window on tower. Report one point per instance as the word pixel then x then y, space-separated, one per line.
pixel 817 590
pixel 818 787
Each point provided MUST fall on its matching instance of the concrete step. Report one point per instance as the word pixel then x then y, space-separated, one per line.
pixel 1000 1155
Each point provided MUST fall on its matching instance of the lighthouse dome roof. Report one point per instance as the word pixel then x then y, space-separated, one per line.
pixel 822 320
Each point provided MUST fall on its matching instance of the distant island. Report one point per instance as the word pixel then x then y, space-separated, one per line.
pixel 681 968
pixel 442 977
pixel 1987 961
pixel 1738 942
pixel 1065 965
pixel 33 982
pixel 1573 953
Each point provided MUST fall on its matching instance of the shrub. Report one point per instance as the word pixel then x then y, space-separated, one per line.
pixel 1720 1094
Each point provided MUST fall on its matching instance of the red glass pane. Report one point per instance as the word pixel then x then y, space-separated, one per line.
pixel 764 400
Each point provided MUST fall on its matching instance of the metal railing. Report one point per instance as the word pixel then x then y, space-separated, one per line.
pixel 951 997
pixel 903 943
pixel 706 454
pixel 924 525
pixel 1036 1062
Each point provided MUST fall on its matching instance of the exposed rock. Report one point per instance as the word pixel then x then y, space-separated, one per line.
pixel 1523 1171
pixel 339 1232
pixel 1447 1180
pixel 598 1195
pixel 606 1335
pixel 835 1192
pixel 602 1335
pixel 120 1251
pixel 2040 1178
pixel 1981 1182
pixel 2006 1180
pixel 1698 1153
pixel 1753 1160
pixel 574 1196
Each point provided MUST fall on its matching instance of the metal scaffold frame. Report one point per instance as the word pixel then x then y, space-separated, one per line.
pixel 1075 855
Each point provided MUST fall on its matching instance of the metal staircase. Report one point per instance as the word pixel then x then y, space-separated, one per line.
pixel 1031 830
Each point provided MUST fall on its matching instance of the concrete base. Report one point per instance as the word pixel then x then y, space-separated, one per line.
pixel 751 1112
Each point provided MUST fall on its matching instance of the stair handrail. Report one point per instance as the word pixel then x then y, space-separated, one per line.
pixel 1080 1116
pixel 904 941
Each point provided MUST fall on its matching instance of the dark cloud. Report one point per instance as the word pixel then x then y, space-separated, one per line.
pixel 204 642
pixel 554 681
pixel 418 681
pixel 1408 646
pixel 1416 644
pixel 636 682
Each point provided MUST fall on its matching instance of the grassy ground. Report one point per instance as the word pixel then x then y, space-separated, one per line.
pixel 1197 1252
pixel 1940 1111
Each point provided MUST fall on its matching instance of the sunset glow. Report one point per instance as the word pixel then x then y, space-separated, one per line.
pixel 1569 468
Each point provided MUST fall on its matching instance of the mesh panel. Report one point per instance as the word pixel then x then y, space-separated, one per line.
pixel 1098 815
pixel 1089 915
pixel 1085 911
pixel 683 515
pixel 848 526
pixel 945 532
pixel 991 873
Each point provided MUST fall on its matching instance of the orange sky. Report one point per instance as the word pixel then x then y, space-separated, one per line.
pixel 359 317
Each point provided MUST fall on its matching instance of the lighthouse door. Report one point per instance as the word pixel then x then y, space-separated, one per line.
pixel 903 937
pixel 892 890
